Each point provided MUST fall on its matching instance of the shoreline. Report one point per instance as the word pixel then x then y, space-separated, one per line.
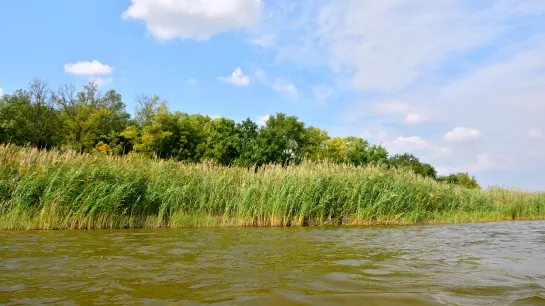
pixel 354 224
pixel 59 190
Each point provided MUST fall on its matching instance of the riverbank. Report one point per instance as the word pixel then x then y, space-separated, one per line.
pixel 56 190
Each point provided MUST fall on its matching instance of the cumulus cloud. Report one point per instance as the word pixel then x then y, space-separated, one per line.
pixel 412 118
pixel 407 113
pixel 535 133
pixel 100 82
pixel 91 68
pixel 262 120
pixel 322 92
pixel 366 135
pixel 212 116
pixel 535 153
pixel 264 41
pixel 450 63
pixel 386 46
pixel 194 19
pixel 283 86
pixel 410 142
pixel 416 145
pixel 462 134
pixel 484 162
pixel 285 89
pixel 237 78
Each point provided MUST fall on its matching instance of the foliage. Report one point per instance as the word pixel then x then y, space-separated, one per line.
pixel 52 189
pixel 411 162
pixel 90 121
pixel 462 179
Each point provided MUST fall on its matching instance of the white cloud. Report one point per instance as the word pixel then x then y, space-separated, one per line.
pixel 366 135
pixel 462 134
pixel 411 118
pixel 196 19
pixel 283 86
pixel 405 112
pixel 322 92
pixel 264 41
pixel 191 81
pixel 412 142
pixel 1 92
pixel 387 46
pixel 237 78
pixel 535 153
pixel 92 68
pixel 535 133
pixel 460 63
pixel 415 145
pixel 212 116
pixel 260 74
pixel 484 162
pixel 100 82
pixel 262 120
pixel 285 89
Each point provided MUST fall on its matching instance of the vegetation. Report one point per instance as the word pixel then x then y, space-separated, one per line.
pixel 89 121
pixel 78 160
pixel 52 189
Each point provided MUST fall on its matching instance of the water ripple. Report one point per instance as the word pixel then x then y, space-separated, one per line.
pixel 470 264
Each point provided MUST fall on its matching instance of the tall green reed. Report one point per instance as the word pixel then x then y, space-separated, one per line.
pixel 64 190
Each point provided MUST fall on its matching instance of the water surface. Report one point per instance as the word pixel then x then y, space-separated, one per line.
pixel 469 264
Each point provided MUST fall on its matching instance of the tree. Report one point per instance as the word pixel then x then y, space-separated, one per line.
pixel 14 124
pixel 45 122
pixel 90 121
pixel 411 162
pixel 315 143
pixel 220 141
pixel 192 137
pixel 152 128
pixel 377 155
pixel 90 117
pixel 246 143
pixel 28 117
pixel 462 179
pixel 355 151
pixel 281 140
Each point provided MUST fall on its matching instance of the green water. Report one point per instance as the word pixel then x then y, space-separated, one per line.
pixel 470 264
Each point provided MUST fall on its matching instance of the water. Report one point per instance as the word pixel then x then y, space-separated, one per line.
pixel 470 264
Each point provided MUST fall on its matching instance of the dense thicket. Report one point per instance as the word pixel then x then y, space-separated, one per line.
pixel 52 189
pixel 91 121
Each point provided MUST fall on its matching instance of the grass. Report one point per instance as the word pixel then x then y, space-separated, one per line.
pixel 66 190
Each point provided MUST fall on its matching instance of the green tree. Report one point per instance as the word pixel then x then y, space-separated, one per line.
pixel 247 143
pixel 355 151
pixel 281 140
pixel 462 179
pixel 90 117
pixel 409 161
pixel 90 121
pixel 152 128
pixel 193 137
pixel 315 144
pixel 28 117
pixel 221 141
pixel 377 155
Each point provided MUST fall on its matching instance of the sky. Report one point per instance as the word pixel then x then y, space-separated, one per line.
pixel 458 83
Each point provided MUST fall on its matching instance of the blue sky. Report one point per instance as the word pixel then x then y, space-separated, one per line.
pixel 459 83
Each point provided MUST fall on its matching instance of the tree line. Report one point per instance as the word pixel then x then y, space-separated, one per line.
pixel 88 120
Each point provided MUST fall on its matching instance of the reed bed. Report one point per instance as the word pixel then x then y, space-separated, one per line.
pixel 65 190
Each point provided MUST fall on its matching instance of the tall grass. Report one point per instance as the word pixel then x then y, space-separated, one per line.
pixel 65 190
